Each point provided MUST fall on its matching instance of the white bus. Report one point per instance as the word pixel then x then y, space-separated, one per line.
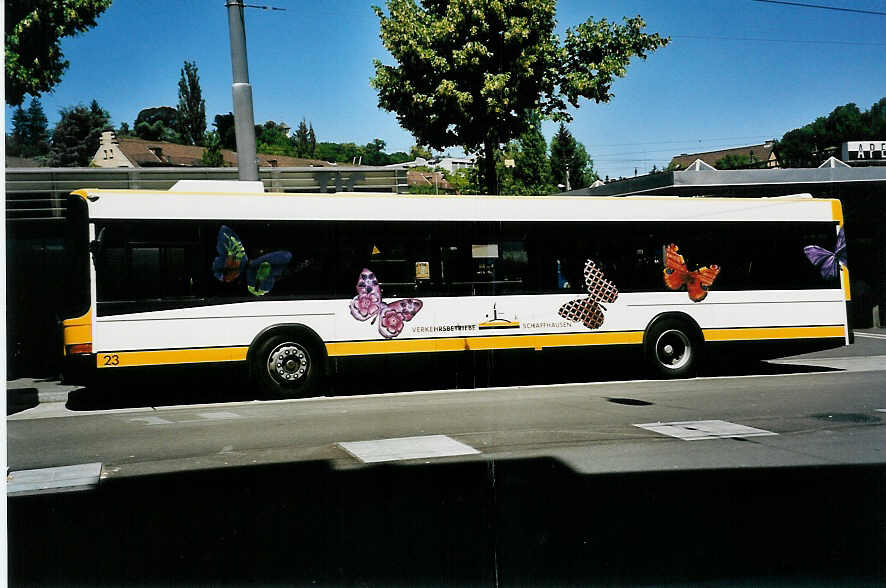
pixel 286 283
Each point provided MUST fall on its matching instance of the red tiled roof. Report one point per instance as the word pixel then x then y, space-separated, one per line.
pixel 144 153
pixel 760 152
pixel 420 178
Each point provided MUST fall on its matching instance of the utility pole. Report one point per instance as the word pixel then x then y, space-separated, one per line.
pixel 244 121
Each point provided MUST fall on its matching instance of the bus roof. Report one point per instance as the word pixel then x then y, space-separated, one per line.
pixel 232 206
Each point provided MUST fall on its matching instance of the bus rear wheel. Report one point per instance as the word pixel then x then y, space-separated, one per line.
pixel 284 366
pixel 673 349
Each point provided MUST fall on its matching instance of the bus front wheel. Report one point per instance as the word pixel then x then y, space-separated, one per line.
pixel 286 367
pixel 673 349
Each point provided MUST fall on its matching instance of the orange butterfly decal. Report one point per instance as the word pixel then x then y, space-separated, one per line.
pixel 676 275
pixel 588 310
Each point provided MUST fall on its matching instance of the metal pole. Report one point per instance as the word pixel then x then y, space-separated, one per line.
pixel 244 121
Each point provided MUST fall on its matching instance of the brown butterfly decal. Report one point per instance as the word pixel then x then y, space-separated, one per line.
pixel 676 275
pixel 588 310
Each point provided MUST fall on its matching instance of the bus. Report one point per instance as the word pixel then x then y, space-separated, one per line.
pixel 287 284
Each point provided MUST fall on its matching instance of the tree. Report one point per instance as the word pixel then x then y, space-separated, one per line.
pixel 302 141
pixel 417 151
pixel 532 167
pixel 158 124
pixel 468 70
pixel 811 144
pixel 19 139
pixel 224 126
pixel 569 154
pixel 124 130
pixel 191 105
pixel 212 155
pixel 312 139
pixel 30 132
pixel 34 29
pixel 38 129
pixel 77 135
pixel 733 161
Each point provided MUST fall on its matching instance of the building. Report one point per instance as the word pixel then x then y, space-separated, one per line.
pixel 762 155
pixel 133 152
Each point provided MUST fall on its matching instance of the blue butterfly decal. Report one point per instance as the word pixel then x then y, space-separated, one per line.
pixel 232 262
pixel 828 262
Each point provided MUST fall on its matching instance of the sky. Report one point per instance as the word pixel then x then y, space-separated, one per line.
pixel 737 72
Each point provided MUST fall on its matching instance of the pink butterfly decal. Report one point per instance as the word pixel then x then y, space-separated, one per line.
pixel 368 304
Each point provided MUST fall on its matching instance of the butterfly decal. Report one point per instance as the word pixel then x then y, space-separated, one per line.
pixel 827 262
pixel 368 304
pixel 676 275
pixel 232 263
pixel 589 309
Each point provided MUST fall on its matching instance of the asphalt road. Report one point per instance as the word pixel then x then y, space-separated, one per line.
pixel 561 488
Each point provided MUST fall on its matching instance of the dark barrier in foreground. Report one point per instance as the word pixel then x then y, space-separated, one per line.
pixel 516 522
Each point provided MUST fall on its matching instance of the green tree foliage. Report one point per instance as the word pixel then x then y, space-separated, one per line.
pixel 34 29
pixel 734 161
pixel 569 154
pixel 212 155
pixel 158 124
pixel 271 138
pixel 532 171
pixel 224 126
pixel 417 151
pixel 30 131
pixel 304 141
pixel 811 144
pixel 124 130
pixel 77 135
pixel 191 105
pixel 468 70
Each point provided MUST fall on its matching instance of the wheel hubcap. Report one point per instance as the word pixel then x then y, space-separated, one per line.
pixel 673 349
pixel 288 363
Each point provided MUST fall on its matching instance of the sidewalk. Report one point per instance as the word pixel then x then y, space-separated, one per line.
pixel 24 393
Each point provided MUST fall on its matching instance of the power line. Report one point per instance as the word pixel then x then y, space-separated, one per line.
pixel 264 7
pixel 823 7
pixel 758 40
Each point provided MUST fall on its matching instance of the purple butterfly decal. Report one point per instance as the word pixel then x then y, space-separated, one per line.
pixel 827 262
pixel 368 304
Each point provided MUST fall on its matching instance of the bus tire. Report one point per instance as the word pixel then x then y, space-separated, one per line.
pixel 673 348
pixel 284 365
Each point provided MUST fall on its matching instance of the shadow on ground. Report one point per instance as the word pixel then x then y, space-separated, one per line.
pixel 376 375
pixel 504 523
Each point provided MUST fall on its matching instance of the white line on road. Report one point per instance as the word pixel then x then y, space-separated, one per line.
pixel 699 430
pixel 870 335
pixel 402 448
pixel 62 479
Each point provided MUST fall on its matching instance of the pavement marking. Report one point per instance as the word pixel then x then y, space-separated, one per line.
pixel 151 420
pixel 699 430
pixel 204 417
pixel 60 479
pixel 402 448
pixel 870 363
pixel 881 410
pixel 870 335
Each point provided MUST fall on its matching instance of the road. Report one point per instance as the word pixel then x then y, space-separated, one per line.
pixel 575 483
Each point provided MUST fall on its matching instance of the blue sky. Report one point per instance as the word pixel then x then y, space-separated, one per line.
pixel 736 72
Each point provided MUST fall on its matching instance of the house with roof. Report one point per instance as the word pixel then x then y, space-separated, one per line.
pixel 134 152
pixel 762 156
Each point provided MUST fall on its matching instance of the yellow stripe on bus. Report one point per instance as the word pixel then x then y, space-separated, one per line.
pixel 341 349
pixel 482 343
pixel 837 211
pixel 753 334
pixel 170 356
